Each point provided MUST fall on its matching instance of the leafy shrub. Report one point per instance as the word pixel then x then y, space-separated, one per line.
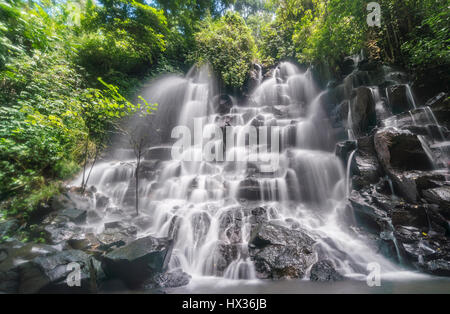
pixel 227 44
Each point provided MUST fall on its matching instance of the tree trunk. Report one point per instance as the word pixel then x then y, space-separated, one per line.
pixel 138 164
pixel 85 164
pixel 90 170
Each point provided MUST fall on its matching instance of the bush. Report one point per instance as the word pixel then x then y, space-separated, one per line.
pixel 122 40
pixel 227 44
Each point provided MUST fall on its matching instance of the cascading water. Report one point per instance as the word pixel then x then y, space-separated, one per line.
pixel 203 205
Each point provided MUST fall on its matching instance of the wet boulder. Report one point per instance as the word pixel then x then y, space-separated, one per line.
pixel 279 252
pixel 398 98
pixel 363 111
pixel 441 197
pixel 85 242
pixel 14 253
pixel 138 261
pixel 399 152
pixel 400 149
pixel 54 273
pixel 171 279
pixel 323 271
pixel 230 227
pixel 427 251
pixel 424 217
pixel 221 257
pixel 116 234
pixel 371 211
pixel 59 231
pixel 440 267
pixel 365 166
pixel 74 215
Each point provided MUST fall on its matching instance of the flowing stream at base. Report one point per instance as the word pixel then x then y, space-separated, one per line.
pixel 204 205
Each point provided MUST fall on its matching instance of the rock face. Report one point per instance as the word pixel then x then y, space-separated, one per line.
pixel 12 255
pixel 363 111
pixel 400 150
pixel 441 197
pixel 324 271
pixel 398 98
pixel 365 166
pixel 138 261
pixel 279 252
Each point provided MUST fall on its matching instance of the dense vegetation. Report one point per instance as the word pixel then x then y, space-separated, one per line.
pixel 227 44
pixel 56 113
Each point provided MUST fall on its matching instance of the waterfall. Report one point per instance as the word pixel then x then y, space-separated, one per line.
pixel 203 204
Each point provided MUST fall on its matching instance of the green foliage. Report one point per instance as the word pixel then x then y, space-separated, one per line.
pixel 123 40
pixel 51 119
pixel 56 112
pixel 227 44
pixel 429 43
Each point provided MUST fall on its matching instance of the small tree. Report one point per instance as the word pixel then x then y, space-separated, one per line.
pixel 138 138
pixel 102 112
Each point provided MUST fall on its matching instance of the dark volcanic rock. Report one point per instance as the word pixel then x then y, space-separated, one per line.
pixel 441 197
pixel 172 279
pixel 324 271
pixel 117 233
pixel 400 150
pixel 74 215
pixel 12 255
pixel 363 111
pixel 138 261
pixel 49 273
pixel 368 214
pixel 398 98
pixel 223 255
pixel 438 267
pixel 365 165
pixel 279 252
pixel 60 231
